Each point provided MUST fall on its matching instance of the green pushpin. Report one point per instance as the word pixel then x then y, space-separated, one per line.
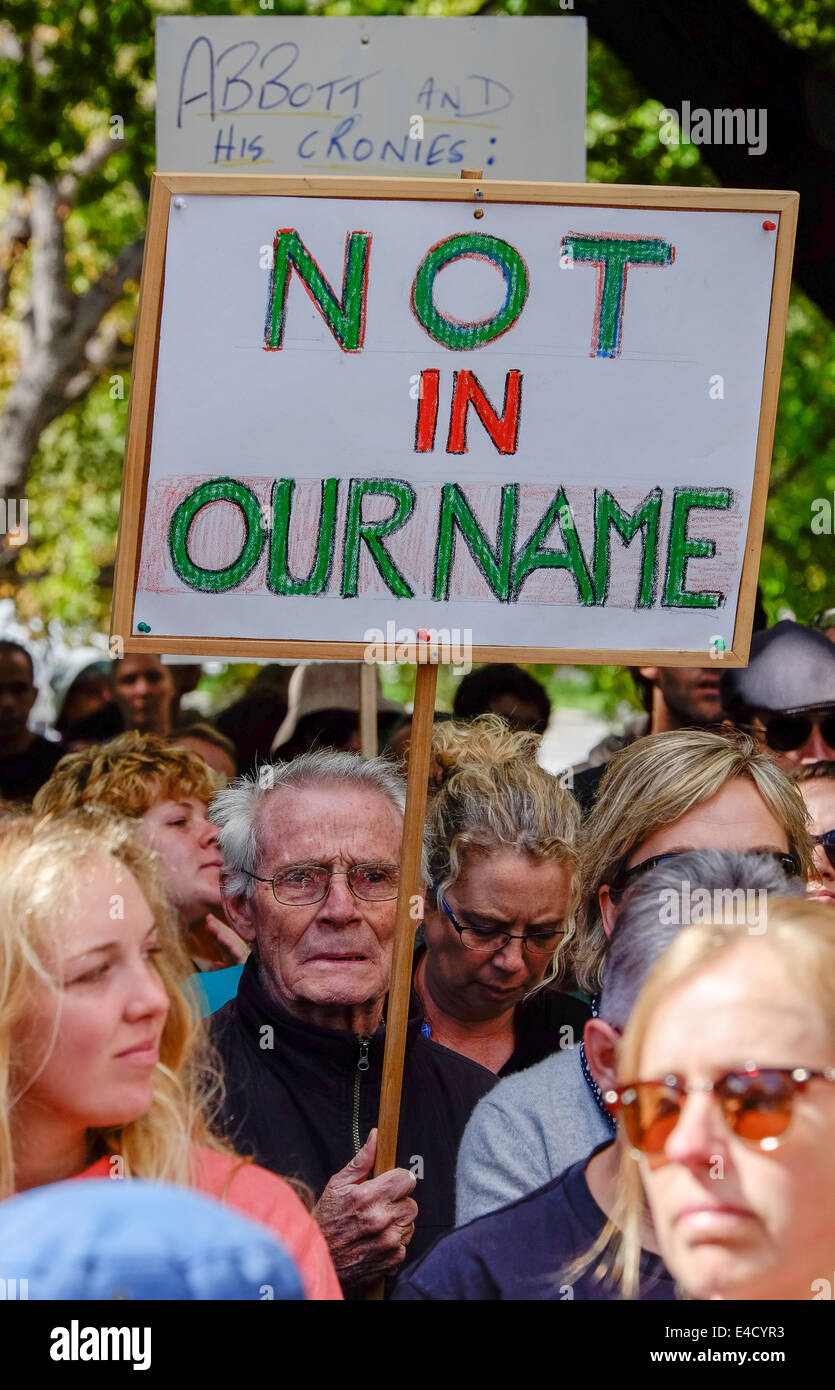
pixel 142 627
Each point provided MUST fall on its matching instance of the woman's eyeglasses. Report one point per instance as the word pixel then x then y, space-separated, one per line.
pixel 757 1104
pixel 542 943
pixel 788 732
pixel 827 843
pixel 301 885
pixel 789 862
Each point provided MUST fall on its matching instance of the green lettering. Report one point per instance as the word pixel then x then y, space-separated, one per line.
pixel 607 512
pixel 369 533
pixel 495 564
pixel 449 332
pixel 345 318
pixel 535 557
pixel 216 581
pixel 681 549
pixel 279 578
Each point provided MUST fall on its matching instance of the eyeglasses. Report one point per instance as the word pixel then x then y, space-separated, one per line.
pixel 827 841
pixel 788 732
pixel 757 1104
pixel 789 862
pixel 300 885
pixel 491 939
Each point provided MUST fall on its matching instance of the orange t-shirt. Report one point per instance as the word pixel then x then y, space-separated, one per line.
pixel 265 1198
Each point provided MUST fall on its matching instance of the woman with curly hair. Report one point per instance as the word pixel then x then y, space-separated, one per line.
pixel 166 790
pixel 500 836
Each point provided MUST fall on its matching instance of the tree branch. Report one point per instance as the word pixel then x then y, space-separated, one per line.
pixel 14 234
pixel 92 158
pixel 39 393
pixel 719 54
pixel 51 300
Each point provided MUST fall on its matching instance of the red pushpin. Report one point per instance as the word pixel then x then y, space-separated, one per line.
pixel 423 634
pixel 769 226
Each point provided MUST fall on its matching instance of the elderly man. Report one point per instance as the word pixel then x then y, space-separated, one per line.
pixel 311 849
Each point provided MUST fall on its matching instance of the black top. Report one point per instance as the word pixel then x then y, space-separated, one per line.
pixel 547 1021
pixel 297 1102
pixel 24 773
pixel 523 1250
pixel 100 726
pixel 585 787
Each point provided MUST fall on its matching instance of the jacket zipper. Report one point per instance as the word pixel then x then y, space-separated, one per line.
pixel 362 1065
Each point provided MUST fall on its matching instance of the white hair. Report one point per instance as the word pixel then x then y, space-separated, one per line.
pixel 643 932
pixel 236 810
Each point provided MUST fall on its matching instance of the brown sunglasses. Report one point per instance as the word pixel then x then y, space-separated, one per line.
pixel 757 1104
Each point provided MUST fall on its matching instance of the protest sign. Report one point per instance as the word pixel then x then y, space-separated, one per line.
pixel 538 414
pixel 372 96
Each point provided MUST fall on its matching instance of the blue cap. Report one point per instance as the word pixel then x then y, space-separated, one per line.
pixel 106 1238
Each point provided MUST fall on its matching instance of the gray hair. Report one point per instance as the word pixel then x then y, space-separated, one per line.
pixel 236 810
pixel 648 920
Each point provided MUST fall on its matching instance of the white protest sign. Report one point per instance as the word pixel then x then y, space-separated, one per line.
pixel 392 96
pixel 540 422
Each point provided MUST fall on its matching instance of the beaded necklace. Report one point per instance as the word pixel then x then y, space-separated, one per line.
pixel 590 1081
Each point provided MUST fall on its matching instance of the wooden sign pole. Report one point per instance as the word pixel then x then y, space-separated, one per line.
pixel 397 1017
pixel 405 924
pixel 368 710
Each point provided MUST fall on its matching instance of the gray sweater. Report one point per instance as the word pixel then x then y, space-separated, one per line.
pixel 526 1131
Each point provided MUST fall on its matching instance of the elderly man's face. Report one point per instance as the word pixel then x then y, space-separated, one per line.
pixel 337 951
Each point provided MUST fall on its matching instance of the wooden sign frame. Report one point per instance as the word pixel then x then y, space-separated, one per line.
pixel 141 408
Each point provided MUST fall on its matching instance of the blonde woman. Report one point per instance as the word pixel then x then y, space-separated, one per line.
pixel 166 790
pixel 100 1054
pixel 669 793
pixel 500 835
pixel 732 1125
pixel 660 797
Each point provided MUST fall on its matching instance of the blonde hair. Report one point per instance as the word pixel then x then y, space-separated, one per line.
pixel 652 783
pixel 42 867
pixel 494 795
pixel 129 774
pixel 802 933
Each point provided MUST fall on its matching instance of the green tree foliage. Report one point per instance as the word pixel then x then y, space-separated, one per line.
pixel 85 63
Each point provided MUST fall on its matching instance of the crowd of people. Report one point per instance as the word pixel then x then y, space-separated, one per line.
pixel 620 1049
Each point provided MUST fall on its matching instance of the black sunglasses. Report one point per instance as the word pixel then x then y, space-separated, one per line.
pixel 827 841
pixel 788 732
pixel 789 862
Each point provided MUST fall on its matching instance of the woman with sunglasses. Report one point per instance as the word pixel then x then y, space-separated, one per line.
pixel 663 795
pixel 730 1129
pixel 500 837
pixel 816 783
pixel 671 792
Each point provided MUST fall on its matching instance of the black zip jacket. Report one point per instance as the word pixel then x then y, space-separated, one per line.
pixel 301 1100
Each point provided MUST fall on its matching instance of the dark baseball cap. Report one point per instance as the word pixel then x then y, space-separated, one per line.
pixel 790 669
